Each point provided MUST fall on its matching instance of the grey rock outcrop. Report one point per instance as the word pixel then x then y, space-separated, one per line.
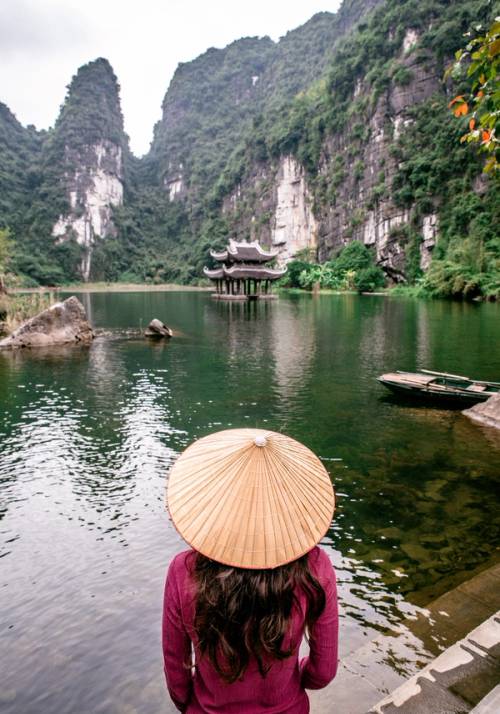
pixel 94 187
pixel 486 413
pixel 156 328
pixel 62 323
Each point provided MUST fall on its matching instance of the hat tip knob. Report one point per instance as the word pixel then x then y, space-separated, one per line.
pixel 260 441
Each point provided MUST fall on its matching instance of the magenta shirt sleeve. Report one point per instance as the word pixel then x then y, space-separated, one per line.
pixel 320 667
pixel 176 644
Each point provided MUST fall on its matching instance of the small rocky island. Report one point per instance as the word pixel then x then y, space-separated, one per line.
pixel 62 323
pixel 158 330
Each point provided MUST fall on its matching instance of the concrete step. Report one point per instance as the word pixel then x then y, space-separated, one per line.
pixel 463 676
pixel 367 675
pixel 490 704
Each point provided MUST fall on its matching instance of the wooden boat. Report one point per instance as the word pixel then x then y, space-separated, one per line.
pixel 439 386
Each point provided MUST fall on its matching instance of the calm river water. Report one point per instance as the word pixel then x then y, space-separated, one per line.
pixel 87 436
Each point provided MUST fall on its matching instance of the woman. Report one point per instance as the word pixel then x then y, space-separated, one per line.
pixel 253 505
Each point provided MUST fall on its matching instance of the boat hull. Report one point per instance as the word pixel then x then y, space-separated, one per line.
pixel 432 395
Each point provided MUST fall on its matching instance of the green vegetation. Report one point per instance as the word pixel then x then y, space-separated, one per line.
pixel 15 309
pixel 228 119
pixel 482 59
pixel 433 162
pixel 20 151
pixel 34 168
pixel 5 256
pixel 366 57
pixel 353 269
pixel 436 174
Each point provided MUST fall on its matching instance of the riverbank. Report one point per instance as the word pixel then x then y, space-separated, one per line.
pixel 410 291
pixel 109 288
pixel 406 291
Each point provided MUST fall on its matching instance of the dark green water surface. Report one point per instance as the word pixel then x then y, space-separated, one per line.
pixel 87 436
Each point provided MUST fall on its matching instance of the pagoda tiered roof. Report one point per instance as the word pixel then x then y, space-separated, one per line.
pixel 242 271
pixel 244 251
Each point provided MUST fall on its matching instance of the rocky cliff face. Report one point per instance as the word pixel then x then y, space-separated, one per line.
pixel 94 185
pixel 363 208
pixel 208 102
pixel 294 227
pixel 87 150
pixel 212 101
pixel 338 132
pixel 275 206
pixel 88 146
pixel 351 139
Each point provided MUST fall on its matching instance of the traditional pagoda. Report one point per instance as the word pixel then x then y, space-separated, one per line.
pixel 243 274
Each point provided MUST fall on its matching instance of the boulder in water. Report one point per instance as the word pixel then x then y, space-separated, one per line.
pixel 487 413
pixel 156 328
pixel 60 324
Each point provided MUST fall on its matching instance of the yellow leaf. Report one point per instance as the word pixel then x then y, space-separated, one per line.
pixel 494 48
pixel 490 165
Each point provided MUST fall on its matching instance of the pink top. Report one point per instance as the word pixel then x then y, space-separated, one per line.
pixel 282 691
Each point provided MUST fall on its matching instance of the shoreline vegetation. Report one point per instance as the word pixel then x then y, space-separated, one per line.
pixel 21 304
pixel 353 271
pixel 411 291
pixel 117 287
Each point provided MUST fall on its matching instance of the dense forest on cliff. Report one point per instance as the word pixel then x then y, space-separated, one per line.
pixel 354 102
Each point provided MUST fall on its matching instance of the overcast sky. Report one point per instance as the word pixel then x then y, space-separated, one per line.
pixel 43 42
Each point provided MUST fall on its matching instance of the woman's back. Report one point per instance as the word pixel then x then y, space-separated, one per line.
pixel 282 690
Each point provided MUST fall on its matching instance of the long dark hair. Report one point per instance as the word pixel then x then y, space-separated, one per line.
pixel 240 613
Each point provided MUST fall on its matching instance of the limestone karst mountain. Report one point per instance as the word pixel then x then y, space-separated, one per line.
pixel 61 186
pixel 88 148
pixel 338 132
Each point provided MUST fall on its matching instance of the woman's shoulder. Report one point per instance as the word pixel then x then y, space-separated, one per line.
pixel 320 563
pixel 182 564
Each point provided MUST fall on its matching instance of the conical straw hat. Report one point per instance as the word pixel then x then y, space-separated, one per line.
pixel 250 498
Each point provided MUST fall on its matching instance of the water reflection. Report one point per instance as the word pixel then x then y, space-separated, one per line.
pixel 293 341
pixel 96 455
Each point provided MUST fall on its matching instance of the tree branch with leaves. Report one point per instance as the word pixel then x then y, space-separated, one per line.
pixel 479 60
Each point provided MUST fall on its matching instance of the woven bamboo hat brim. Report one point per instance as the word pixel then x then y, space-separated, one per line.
pixel 250 498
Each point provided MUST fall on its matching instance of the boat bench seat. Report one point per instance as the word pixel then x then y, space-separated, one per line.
pixel 476 388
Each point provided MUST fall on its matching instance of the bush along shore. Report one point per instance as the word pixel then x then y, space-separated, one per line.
pixel 16 309
pixel 355 269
